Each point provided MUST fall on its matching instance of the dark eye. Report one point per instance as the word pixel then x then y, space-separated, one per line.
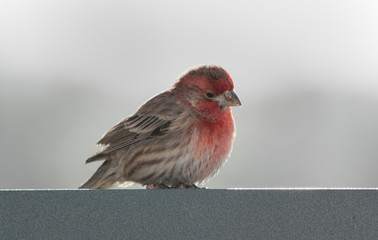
pixel 210 95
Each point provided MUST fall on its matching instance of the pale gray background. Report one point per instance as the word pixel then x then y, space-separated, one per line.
pixel 305 71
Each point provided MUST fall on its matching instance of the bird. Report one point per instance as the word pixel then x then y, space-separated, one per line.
pixel 177 139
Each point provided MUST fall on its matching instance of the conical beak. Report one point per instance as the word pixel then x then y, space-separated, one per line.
pixel 230 99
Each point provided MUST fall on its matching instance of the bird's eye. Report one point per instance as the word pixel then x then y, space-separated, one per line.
pixel 210 95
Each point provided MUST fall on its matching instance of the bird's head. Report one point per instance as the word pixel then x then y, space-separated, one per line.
pixel 207 89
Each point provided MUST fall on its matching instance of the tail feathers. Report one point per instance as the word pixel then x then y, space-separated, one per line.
pixel 102 178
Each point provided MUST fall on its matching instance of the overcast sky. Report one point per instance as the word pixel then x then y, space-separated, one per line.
pixel 305 71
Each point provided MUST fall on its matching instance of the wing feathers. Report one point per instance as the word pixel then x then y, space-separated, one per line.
pixel 127 133
pixel 149 122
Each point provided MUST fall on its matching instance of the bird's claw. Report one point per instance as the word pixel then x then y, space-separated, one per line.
pixel 162 186
pixel 185 186
pixel 156 186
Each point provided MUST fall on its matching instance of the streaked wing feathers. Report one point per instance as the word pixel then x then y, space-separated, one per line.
pixel 128 132
pixel 146 123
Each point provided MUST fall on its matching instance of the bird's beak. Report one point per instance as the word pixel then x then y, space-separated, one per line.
pixel 230 99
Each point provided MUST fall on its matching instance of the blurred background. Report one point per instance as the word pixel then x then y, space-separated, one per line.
pixel 305 71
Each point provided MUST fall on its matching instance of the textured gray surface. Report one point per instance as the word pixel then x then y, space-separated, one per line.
pixel 189 214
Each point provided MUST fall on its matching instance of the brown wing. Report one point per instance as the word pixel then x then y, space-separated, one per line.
pixel 152 120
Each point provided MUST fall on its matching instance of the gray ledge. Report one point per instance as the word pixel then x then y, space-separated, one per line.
pixel 189 214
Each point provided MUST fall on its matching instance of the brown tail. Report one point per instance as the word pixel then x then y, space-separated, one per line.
pixel 102 178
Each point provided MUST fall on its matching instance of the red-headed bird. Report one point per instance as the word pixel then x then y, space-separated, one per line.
pixel 177 139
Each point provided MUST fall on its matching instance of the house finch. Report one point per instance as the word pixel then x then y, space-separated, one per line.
pixel 177 139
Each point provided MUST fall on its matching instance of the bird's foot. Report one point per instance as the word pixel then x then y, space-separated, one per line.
pixel 156 186
pixel 162 186
pixel 185 186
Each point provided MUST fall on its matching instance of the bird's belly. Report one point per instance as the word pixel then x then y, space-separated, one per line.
pixel 208 150
pixel 202 151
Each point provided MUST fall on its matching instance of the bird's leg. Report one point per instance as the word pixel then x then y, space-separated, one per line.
pixel 185 186
pixel 156 186
pixel 180 186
